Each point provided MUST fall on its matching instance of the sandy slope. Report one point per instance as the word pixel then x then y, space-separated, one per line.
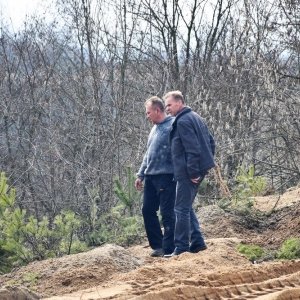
pixel 112 272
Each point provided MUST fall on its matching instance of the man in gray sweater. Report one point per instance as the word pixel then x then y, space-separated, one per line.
pixel 159 187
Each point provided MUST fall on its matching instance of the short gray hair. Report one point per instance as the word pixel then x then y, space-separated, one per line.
pixel 155 102
pixel 176 94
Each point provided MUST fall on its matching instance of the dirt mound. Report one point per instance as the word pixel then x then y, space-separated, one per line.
pixel 271 202
pixel 17 293
pixel 70 273
pixel 220 272
pixel 217 273
pixel 275 219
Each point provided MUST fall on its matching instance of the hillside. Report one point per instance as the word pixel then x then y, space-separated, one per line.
pixel 220 272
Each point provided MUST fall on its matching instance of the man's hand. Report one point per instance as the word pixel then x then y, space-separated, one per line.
pixel 139 184
pixel 195 180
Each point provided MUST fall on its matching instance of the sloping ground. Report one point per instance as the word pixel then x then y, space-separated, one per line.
pixel 17 293
pixel 73 272
pixel 112 272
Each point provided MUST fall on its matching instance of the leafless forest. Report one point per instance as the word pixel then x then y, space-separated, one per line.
pixel 72 92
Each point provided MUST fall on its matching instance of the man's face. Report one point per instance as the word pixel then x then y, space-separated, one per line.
pixel 152 114
pixel 173 106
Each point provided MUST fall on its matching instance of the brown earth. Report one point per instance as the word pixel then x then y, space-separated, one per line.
pixel 220 272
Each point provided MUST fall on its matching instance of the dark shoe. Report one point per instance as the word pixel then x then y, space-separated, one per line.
pixel 196 249
pixel 170 255
pixel 175 253
pixel 157 252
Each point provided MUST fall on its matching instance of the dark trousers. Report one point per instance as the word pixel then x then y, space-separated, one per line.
pixel 187 229
pixel 159 193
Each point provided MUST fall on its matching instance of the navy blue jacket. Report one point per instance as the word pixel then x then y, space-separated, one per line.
pixel 192 146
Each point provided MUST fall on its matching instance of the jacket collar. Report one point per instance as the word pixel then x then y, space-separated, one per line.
pixel 185 110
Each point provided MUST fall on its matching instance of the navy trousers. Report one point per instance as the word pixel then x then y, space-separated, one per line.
pixel 187 229
pixel 159 194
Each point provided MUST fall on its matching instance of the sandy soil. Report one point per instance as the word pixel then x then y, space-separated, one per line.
pixel 220 272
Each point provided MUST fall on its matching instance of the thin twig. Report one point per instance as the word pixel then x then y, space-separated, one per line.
pixel 219 180
pixel 276 203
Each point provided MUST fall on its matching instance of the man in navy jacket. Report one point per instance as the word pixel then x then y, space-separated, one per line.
pixel 192 149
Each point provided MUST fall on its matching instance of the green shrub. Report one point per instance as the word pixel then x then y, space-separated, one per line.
pixel 121 225
pixel 5 265
pixel 248 186
pixel 66 226
pixel 128 195
pixel 24 239
pixel 290 249
pixel 224 203
pixel 251 252
pixel 31 277
pixel 121 229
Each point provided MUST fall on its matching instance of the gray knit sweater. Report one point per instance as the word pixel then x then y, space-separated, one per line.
pixel 158 159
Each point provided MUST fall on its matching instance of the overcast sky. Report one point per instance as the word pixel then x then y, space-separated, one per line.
pixel 16 10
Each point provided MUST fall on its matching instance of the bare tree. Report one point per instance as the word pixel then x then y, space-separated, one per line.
pixel 72 92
